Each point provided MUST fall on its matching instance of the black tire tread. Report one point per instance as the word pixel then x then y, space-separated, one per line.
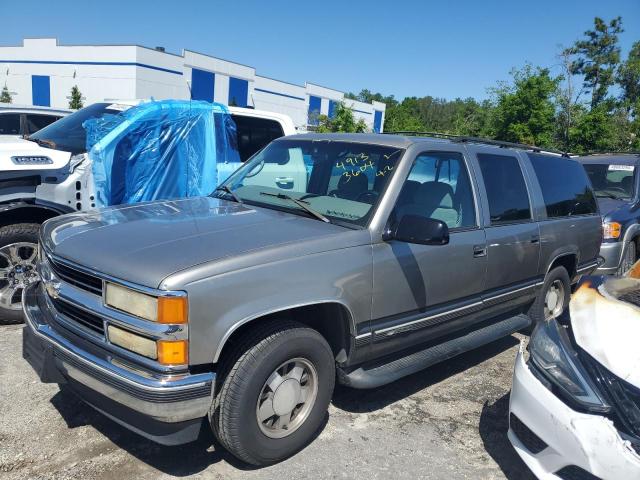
pixel 238 365
pixel 538 304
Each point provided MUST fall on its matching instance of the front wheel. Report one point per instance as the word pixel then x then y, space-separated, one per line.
pixel 553 298
pixel 276 387
pixel 18 252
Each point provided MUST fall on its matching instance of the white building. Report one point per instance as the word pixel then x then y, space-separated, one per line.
pixel 42 72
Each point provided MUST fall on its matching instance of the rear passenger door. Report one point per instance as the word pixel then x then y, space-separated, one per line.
pixel 513 236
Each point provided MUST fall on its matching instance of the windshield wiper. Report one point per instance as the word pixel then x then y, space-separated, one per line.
pixel 226 189
pixel 41 142
pixel 300 203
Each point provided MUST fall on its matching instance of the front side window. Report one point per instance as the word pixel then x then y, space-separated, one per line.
pixel 506 189
pixel 611 180
pixel 341 181
pixel 438 187
pixel 565 186
pixel 10 124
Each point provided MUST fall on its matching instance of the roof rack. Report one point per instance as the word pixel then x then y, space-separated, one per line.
pixel 633 152
pixel 487 141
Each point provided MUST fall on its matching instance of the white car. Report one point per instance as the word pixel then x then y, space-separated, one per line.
pixel 23 120
pixel 50 173
pixel 575 403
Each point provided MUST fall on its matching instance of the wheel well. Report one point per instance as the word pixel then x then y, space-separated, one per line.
pixel 331 320
pixel 26 215
pixel 569 262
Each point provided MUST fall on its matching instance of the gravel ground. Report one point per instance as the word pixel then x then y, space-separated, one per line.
pixel 447 422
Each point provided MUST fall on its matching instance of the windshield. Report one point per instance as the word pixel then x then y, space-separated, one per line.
pixel 611 180
pixel 68 134
pixel 341 181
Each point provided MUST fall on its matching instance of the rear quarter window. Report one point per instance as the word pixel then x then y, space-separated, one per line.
pixel 566 188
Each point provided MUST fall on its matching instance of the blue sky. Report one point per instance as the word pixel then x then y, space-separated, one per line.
pixel 444 49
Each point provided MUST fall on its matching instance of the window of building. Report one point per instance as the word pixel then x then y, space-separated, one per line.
pixel 438 187
pixel 10 124
pixel 314 109
pixel 565 186
pixel 238 92
pixel 506 189
pixel 202 85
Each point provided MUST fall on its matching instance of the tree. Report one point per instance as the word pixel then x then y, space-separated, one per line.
pixel 525 111
pixel 342 121
pixel 75 102
pixel 628 77
pixel 5 96
pixel 596 57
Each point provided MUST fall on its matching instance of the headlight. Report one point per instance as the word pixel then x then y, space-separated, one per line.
pixel 611 230
pixel 170 309
pixel 551 352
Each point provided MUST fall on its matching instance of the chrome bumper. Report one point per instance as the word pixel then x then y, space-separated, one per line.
pixel 612 254
pixel 166 399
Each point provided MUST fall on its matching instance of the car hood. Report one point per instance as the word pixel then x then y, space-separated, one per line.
pixel 12 146
pixel 608 328
pixel 609 206
pixel 147 242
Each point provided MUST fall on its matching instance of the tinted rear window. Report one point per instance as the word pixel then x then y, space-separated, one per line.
pixel 565 186
pixel 10 124
pixel 254 134
pixel 506 189
pixel 37 122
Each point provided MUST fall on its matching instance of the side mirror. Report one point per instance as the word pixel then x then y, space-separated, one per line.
pixel 422 230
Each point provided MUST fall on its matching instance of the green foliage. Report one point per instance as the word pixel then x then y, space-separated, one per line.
pixel 342 121
pixel 596 57
pixel 5 96
pixel 75 102
pixel 628 77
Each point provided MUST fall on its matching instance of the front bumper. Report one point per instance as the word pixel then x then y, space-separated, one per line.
pixel 571 440
pixel 612 254
pixel 168 409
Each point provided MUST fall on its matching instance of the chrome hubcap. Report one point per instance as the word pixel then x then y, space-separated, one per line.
pixel 287 398
pixel 554 300
pixel 17 271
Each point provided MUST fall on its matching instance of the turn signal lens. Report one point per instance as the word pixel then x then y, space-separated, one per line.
pixel 611 230
pixel 172 310
pixel 173 352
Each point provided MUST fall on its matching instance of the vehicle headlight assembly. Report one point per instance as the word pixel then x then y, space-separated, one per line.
pixel 161 309
pixel 552 355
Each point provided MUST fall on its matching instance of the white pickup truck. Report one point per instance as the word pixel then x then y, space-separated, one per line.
pixel 49 173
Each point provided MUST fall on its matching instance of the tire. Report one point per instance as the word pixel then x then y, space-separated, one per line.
pixel 23 239
pixel 628 258
pixel 538 313
pixel 244 374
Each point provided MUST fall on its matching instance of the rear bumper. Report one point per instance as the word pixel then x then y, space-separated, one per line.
pixel 612 254
pixel 168 409
pixel 571 440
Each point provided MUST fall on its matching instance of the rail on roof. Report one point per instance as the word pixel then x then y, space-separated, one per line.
pixel 487 141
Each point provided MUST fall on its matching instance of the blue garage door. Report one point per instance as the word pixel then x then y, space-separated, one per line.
pixel 314 109
pixel 333 105
pixel 377 121
pixel 202 85
pixel 238 92
pixel 41 90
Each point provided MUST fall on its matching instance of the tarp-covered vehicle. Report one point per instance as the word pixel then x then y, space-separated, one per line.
pixel 119 153
pixel 575 403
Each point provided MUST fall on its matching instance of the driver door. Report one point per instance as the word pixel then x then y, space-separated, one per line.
pixel 423 291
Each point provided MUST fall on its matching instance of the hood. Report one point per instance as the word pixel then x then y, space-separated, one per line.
pixel 608 328
pixel 17 147
pixel 147 242
pixel 609 206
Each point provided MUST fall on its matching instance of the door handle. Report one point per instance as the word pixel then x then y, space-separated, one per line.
pixel 535 238
pixel 479 251
pixel 284 182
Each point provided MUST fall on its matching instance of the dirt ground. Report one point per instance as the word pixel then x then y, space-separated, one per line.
pixel 448 422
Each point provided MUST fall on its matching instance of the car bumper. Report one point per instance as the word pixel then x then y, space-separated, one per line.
pixel 612 254
pixel 166 409
pixel 573 440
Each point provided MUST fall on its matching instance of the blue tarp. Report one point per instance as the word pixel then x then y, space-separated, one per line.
pixel 159 150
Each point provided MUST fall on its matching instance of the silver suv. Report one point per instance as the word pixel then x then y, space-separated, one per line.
pixel 243 308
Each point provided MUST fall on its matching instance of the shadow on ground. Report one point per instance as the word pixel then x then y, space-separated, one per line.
pixel 198 456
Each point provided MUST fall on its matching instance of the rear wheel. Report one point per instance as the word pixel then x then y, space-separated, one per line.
pixel 276 388
pixel 18 252
pixel 553 298
pixel 628 259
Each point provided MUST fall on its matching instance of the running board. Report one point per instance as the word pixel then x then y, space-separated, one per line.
pixel 389 372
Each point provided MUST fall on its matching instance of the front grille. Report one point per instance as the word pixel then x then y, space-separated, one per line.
pixel 79 316
pixel 76 277
pixel 530 440
pixel 631 297
pixel 573 472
